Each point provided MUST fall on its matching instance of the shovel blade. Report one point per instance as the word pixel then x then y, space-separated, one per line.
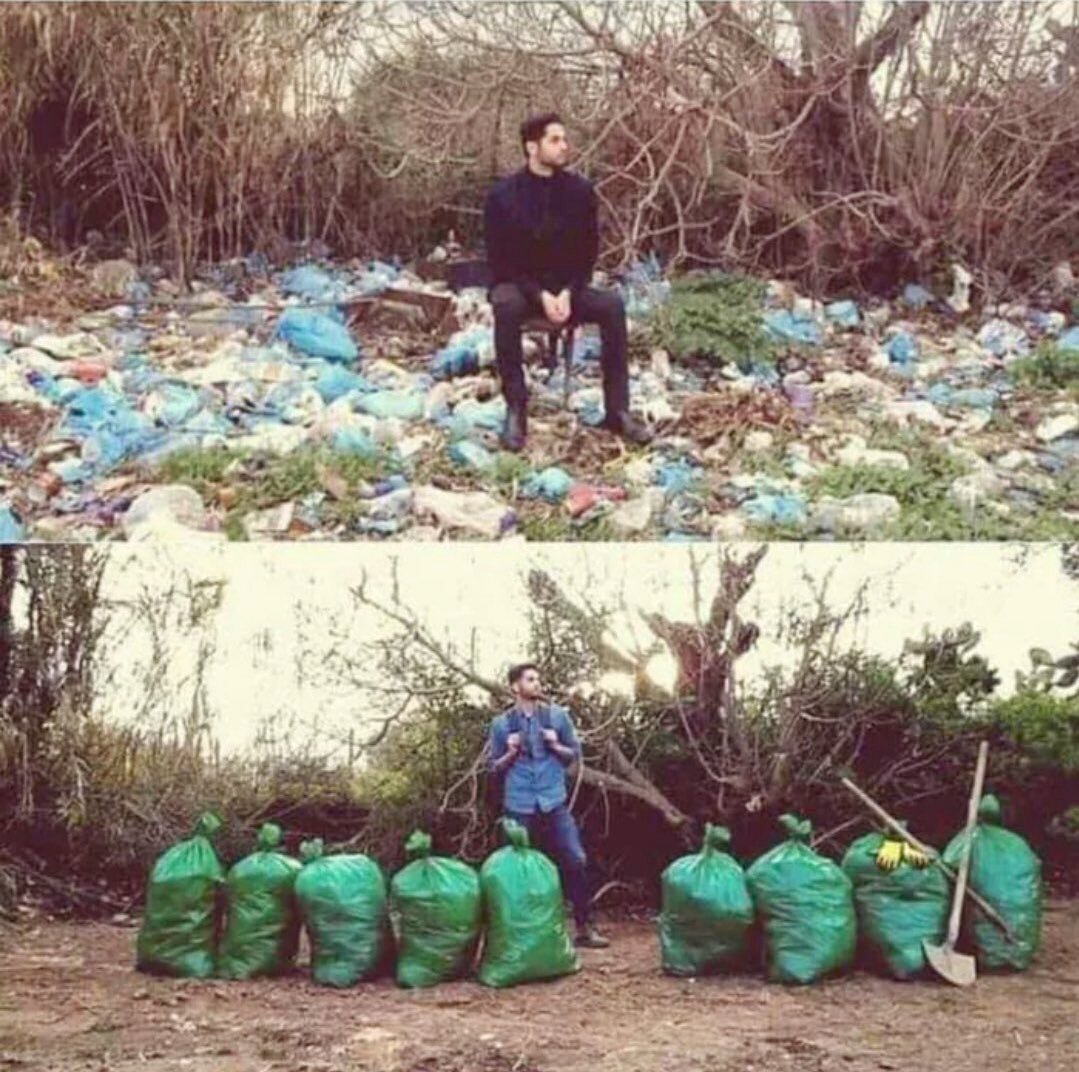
pixel 955 968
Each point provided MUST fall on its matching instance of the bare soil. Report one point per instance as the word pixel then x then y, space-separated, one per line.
pixel 69 999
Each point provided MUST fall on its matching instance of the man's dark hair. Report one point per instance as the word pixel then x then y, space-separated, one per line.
pixel 517 672
pixel 535 126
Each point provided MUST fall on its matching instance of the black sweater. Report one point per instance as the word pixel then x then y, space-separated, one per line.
pixel 541 233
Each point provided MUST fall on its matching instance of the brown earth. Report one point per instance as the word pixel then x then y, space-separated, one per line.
pixel 69 999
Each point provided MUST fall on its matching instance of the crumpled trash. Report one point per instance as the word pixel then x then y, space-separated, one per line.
pixel 959 299
pixel 405 405
pixel 171 404
pixel 552 485
pixel 466 352
pixel 844 313
pixel 916 296
pixel 309 281
pixel 583 497
pixel 686 513
pixel 971 490
pixel 167 510
pixel 1057 427
pixel 471 455
pixel 677 476
pixel 1069 340
pixel 783 508
pixel 902 349
pixel 858 513
pixel 316 334
pixel 473 511
pixel 643 288
pixel 857 453
pixel 1002 339
pixel 471 414
pixel 942 394
pixel 351 440
pixel 786 326
pixel 377 277
pixel 11 528
pixel 335 381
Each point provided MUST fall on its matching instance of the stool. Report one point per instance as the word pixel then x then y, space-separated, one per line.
pixel 553 335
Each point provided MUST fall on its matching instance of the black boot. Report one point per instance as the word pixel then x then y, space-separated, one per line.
pixel 628 427
pixel 515 429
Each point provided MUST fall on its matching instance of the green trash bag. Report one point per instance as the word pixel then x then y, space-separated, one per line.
pixel 1005 871
pixel 343 905
pixel 181 921
pixel 262 931
pixel 435 906
pixel 526 920
pixel 807 907
pixel 707 913
pixel 896 909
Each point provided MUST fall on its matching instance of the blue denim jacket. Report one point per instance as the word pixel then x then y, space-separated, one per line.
pixel 536 780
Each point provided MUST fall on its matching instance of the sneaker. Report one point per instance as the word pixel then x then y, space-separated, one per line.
pixel 590 938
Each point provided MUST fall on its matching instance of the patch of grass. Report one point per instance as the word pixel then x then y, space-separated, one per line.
pixel 715 316
pixel 509 471
pixel 268 481
pixel 556 527
pixel 918 488
pixel 769 463
pixel 200 469
pixel 1048 368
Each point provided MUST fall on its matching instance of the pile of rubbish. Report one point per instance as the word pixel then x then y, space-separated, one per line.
pixel 108 420
pixel 795 912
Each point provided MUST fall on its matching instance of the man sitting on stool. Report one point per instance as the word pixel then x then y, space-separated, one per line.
pixel 541 230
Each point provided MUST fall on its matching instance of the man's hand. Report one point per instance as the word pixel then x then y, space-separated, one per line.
pixel 566 304
pixel 555 307
pixel 550 736
pixel 513 742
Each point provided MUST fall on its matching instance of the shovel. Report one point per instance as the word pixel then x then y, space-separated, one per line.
pixel 894 825
pixel 958 968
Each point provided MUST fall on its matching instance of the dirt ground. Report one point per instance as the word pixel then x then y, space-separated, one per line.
pixel 69 999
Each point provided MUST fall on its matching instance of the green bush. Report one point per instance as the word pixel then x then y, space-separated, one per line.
pixel 715 316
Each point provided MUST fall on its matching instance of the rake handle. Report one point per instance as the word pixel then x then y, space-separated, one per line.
pixel 932 853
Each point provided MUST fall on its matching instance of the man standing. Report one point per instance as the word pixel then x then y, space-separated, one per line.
pixel 541 230
pixel 530 744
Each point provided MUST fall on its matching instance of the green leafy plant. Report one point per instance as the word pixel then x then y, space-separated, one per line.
pixel 714 316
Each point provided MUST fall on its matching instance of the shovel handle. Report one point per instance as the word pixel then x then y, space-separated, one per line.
pixel 929 851
pixel 968 844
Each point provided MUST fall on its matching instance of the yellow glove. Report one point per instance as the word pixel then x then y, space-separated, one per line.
pixel 889 855
pixel 914 857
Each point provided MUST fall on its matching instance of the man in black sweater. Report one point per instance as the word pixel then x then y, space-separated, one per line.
pixel 541 230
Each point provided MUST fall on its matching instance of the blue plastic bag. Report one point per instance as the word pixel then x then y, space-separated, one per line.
pixel 779 509
pixel 1069 340
pixel 354 441
pixel 335 380
pixel 786 326
pixel 916 296
pixel 11 530
pixel 307 281
pixel 471 455
pixel 317 335
pixel 677 476
pixel 552 485
pixel 844 313
pixel 405 405
pixel 902 348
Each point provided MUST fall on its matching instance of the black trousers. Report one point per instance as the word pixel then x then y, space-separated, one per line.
pixel 591 306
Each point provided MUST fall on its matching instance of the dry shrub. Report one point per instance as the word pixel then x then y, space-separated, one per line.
pixel 839 144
